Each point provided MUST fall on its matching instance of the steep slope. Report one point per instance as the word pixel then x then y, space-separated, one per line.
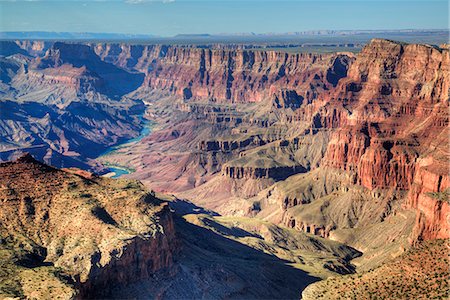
pixel 59 108
pixel 103 77
pixel 397 97
pixel 70 71
pixel 421 273
pixel 346 147
pixel 241 258
pixel 229 75
pixel 217 119
pixel 73 233
pixel 8 48
pixel 70 234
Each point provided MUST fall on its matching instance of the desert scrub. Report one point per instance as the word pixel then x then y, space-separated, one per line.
pixel 443 196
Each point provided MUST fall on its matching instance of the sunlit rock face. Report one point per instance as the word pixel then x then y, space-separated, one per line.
pixel 229 75
pixel 99 232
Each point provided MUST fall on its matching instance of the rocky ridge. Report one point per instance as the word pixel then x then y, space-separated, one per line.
pixel 60 104
pixel 75 227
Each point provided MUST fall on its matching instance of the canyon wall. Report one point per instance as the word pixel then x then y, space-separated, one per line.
pixel 382 108
pixel 429 195
pixel 229 75
pixel 60 102
pixel 397 98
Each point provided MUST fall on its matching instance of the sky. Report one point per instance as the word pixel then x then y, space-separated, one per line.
pixel 171 17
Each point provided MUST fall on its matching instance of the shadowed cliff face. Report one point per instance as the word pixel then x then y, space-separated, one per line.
pixel 9 47
pixel 62 137
pixel 63 107
pixel 106 78
pixel 397 98
pixel 70 234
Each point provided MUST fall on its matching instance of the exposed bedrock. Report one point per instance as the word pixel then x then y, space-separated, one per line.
pixel 376 114
pixel 232 75
pixel 141 259
pixel 373 116
pixel 430 196
pixel 116 81
pixel 383 119
pixel 276 173
pixel 376 163
pixel 34 47
pixel 78 224
pixel 245 143
pixel 323 200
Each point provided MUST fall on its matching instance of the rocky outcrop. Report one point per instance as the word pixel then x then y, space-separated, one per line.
pixel 140 260
pixel 374 116
pixel 237 76
pixel 244 114
pixel 73 82
pixel 35 48
pixel 402 122
pixel 116 82
pixel 396 98
pixel 63 137
pixel 244 143
pixel 79 225
pixel 287 99
pixel 416 274
pixel 227 146
pixel 58 106
pixel 275 172
pixel 387 88
pixel 430 196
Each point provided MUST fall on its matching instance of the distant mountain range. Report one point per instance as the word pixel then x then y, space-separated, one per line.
pixel 121 36
pixel 71 35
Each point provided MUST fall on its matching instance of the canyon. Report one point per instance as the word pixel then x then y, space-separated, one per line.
pixel 313 165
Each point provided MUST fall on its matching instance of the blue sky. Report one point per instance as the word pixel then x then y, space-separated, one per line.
pixel 170 17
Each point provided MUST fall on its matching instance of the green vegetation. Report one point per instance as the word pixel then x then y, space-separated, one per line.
pixel 421 273
pixel 443 196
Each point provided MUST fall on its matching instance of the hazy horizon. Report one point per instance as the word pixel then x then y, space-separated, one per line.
pixel 168 18
pixel 306 32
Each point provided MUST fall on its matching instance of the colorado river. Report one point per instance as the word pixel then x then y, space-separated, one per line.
pixel 116 171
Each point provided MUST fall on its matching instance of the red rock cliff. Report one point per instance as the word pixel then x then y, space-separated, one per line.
pixel 233 75
pixel 396 103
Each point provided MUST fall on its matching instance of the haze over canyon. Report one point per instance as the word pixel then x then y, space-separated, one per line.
pixel 222 170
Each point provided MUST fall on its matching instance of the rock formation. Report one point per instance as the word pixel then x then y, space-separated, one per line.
pixel 229 75
pixel 61 106
pixel 79 226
